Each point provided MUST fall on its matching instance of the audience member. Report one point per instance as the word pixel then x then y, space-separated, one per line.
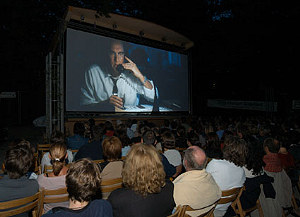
pixel 55 179
pixel 56 137
pixel 228 172
pixel 112 167
pixel 213 146
pixel 15 184
pixel 83 184
pixel 256 180
pixel 196 187
pixel 271 158
pixel 146 193
pixel 77 140
pixel 149 138
pixel 92 150
pixel 282 183
pixel 173 155
pixel 109 129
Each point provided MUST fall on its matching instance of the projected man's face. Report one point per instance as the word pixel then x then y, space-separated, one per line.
pixel 116 56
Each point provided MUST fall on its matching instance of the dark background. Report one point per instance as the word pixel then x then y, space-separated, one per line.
pixel 244 50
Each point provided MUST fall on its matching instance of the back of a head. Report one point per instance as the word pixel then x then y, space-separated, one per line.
pixel 112 148
pixel 98 132
pixel 58 154
pixel 83 180
pixel 79 128
pixel 235 150
pixel 57 137
pixel 18 160
pixel 143 170
pixel 168 139
pixel 271 144
pixel 149 137
pixel 194 158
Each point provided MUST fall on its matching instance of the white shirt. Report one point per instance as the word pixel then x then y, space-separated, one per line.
pixel 173 157
pixel 227 175
pixel 99 87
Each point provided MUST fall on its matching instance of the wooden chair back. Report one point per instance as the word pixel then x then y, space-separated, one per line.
pixel 229 195
pixel 238 209
pixel 208 213
pixel 107 186
pixel 41 150
pixel 99 161
pixel 57 196
pixel 48 168
pixel 22 205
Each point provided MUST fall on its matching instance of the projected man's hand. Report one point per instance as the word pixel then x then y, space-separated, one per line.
pixel 132 67
pixel 116 101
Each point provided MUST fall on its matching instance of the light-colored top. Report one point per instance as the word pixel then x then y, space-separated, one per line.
pixel 173 157
pixel 99 87
pixel 112 170
pixel 52 183
pixel 46 160
pixel 227 175
pixel 196 188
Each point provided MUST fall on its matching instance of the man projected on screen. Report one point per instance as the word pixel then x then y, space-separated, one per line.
pixel 120 83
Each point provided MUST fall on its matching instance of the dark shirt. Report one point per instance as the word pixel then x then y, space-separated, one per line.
pixel 11 189
pixel 96 208
pixel 170 170
pixel 125 202
pixel 91 150
pixel 76 141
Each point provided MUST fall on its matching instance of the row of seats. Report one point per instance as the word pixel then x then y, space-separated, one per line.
pixel 35 203
pixel 232 195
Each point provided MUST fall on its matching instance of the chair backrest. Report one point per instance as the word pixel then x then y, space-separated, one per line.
pixel 238 209
pixel 41 150
pixel 22 205
pixel 207 213
pixel 229 195
pixel 107 186
pixel 57 196
pixel 48 168
pixel 99 161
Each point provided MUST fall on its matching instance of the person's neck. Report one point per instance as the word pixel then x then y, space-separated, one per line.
pixel 74 204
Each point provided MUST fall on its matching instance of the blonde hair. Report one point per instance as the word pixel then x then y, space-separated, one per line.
pixel 143 170
pixel 58 153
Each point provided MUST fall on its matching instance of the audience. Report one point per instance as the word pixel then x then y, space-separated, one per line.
pixel 15 184
pixel 196 187
pixel 146 193
pixel 83 184
pixel 55 179
pixel 228 172
pixel 252 150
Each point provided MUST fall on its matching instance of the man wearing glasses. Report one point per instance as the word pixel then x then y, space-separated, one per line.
pixel 117 85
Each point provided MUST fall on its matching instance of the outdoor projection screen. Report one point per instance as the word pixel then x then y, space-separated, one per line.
pixel 168 70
